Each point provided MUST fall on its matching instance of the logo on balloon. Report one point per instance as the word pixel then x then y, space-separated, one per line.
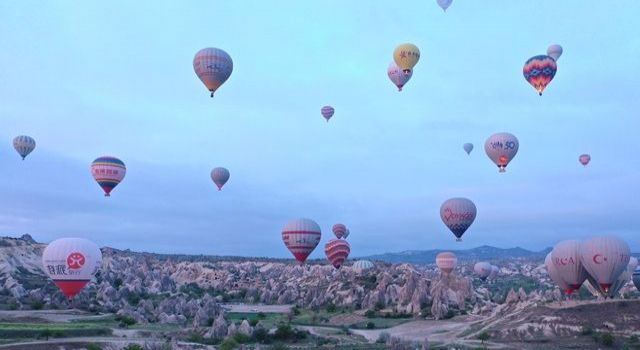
pixel 450 215
pixel 75 261
pixel 599 259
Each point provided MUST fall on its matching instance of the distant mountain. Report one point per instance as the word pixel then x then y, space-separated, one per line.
pixel 480 253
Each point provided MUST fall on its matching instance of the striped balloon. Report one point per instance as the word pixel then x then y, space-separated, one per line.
pixel 301 236
pixel 71 263
pixel 339 230
pixel 458 214
pixel 482 269
pixel 397 77
pixel 220 176
pixel 584 159
pixel 446 262
pixel 539 71
pixel 363 265
pixel 327 112
pixel 24 145
pixel 108 172
pixel 213 67
pixel 337 251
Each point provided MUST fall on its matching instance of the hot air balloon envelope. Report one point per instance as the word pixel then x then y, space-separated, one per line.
pixel 406 56
pixel 458 214
pixel 539 71
pixel 337 251
pixel 220 176
pixel 108 173
pixel 501 148
pixel 301 236
pixel 71 263
pixel 213 67
pixel 24 145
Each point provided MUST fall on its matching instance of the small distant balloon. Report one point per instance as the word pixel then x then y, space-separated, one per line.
pixel 446 262
pixel 458 214
pixel 108 173
pixel 327 112
pixel 584 159
pixel 501 148
pixel 337 251
pixel 220 176
pixel 406 56
pixel 539 71
pixel 24 145
pixel 482 269
pixel 468 147
pixel 554 51
pixel 339 230
pixel 213 66
pixel 397 77
pixel 444 4
pixel 362 265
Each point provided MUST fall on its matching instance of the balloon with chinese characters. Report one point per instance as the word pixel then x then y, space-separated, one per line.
pixel 406 56
pixel 108 173
pixel 71 263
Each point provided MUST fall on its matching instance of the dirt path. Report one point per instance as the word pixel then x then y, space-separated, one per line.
pixel 48 315
pixel 281 309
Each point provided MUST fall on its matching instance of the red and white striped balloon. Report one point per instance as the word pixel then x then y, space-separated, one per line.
pixel 446 261
pixel 71 263
pixel 337 251
pixel 301 236
pixel 339 230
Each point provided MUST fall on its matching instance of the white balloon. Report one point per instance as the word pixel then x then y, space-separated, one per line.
pixel 566 260
pixel 553 274
pixel 554 51
pixel 482 269
pixel 605 258
pixel 71 263
pixel 501 148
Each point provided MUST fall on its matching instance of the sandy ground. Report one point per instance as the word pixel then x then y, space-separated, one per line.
pixel 257 308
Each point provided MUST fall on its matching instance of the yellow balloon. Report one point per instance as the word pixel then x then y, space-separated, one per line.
pixel 406 56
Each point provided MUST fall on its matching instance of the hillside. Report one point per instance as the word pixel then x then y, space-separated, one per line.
pixel 485 252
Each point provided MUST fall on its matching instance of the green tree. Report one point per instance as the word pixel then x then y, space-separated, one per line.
pixel 228 344
pixel 45 333
pixel 607 339
pixel 484 336
pixel 93 347
pixel 371 325
pixel 134 347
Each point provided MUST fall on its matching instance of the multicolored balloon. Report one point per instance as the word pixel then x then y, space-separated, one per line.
pixel 363 265
pixel 444 4
pixel 501 149
pixel 446 262
pixel 539 71
pixel 397 77
pixel 337 251
pixel 71 263
pixel 327 112
pixel 554 51
pixel 584 159
pixel 566 260
pixel 220 176
pixel 301 236
pixel 339 230
pixel 213 66
pixel 605 258
pixel 482 269
pixel 458 214
pixel 108 173
pixel 468 147
pixel 406 56
pixel 24 145
pixel 555 277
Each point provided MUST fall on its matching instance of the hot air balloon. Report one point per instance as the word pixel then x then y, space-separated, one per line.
pixel 555 277
pixel 458 214
pixel 363 265
pixel 327 112
pixel 108 173
pixel 24 145
pixel 71 263
pixel 468 147
pixel 624 278
pixel 446 262
pixel 482 269
pixel 339 230
pixel 444 4
pixel 346 233
pixel 566 260
pixel 554 51
pixel 397 77
pixel 301 236
pixel 636 278
pixel 584 159
pixel 501 148
pixel 406 56
pixel 220 176
pixel 213 66
pixel 337 251
pixel 495 271
pixel 539 71
pixel 605 258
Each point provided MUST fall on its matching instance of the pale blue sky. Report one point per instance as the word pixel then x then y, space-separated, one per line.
pixel 91 78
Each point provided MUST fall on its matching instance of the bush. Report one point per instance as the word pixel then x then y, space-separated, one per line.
pixel 484 336
pixel 378 306
pixel 134 347
pixel 253 322
pixel 370 314
pixel 331 308
pixel 607 339
pixel 261 315
pixel 586 330
pixel 296 310
pixel 37 305
pixel 633 339
pixel 93 347
pixel 45 333
pixel 279 346
pixel 383 338
pixel 241 338
pixel 228 344
pixel 261 335
pixel 125 321
pixel 371 325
